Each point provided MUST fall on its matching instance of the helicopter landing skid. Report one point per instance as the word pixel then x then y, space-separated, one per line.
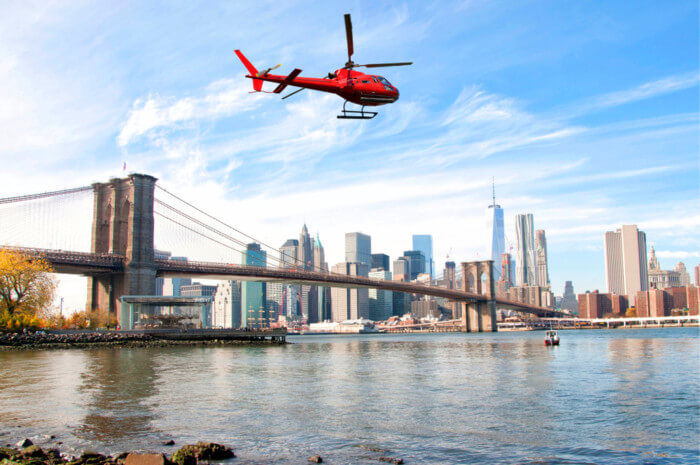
pixel 355 114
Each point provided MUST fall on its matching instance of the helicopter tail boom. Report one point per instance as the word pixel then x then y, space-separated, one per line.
pixel 257 83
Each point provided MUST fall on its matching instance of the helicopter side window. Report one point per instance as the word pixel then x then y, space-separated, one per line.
pixel 375 80
pixel 384 81
pixel 365 82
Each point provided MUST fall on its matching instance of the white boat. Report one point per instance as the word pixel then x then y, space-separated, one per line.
pixel 551 338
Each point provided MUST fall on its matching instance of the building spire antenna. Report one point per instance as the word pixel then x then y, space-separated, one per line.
pixel 493 193
pixel 493 189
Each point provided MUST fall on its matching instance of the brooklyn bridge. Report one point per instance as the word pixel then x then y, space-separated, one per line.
pixel 121 258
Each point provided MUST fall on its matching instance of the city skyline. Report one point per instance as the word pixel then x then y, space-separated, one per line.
pixel 599 131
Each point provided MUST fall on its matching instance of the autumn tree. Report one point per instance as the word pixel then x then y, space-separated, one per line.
pixel 26 286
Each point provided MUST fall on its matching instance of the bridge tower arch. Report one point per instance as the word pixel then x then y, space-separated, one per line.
pixel 122 224
pixel 479 316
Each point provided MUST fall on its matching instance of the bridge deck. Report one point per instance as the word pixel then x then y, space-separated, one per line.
pixel 91 264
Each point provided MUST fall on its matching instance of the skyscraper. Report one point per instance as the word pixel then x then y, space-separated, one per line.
pixel 227 305
pixel 308 295
pixel 541 258
pixel 402 269
pixel 416 260
pixel 323 294
pixel 568 301
pixel 626 261
pixel 358 248
pixel 525 238
pixel 350 304
pixel 424 244
pixel 380 261
pixel 497 241
pixel 253 294
pixel 507 270
pixel 449 274
pixel 288 253
pixel 380 301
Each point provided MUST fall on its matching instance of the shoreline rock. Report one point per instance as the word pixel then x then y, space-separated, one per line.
pixel 103 339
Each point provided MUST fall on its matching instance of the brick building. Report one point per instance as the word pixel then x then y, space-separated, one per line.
pixel 597 305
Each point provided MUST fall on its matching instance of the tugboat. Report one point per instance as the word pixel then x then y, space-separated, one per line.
pixel 551 338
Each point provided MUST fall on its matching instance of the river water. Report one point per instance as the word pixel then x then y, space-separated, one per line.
pixel 603 397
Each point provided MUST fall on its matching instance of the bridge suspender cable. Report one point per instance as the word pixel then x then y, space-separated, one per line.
pixel 274 249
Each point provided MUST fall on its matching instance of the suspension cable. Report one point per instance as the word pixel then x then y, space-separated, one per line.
pixel 296 260
pixel 23 198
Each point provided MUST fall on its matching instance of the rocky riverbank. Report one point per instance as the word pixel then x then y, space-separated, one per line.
pixel 95 339
pixel 27 453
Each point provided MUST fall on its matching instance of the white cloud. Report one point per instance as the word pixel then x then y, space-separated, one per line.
pixel 222 98
pixel 641 92
pixel 679 254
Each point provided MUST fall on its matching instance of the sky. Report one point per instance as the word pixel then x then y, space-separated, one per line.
pixel 584 113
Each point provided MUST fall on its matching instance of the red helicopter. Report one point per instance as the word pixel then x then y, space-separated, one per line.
pixel 352 86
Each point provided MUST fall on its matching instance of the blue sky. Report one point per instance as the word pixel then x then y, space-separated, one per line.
pixel 586 113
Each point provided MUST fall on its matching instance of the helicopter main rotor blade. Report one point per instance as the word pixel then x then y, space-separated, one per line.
pixel 348 33
pixel 382 65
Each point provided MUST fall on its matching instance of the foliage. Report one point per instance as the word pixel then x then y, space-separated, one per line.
pixel 26 286
pixel 89 319
pixel 631 312
pixel 26 291
pixel 19 322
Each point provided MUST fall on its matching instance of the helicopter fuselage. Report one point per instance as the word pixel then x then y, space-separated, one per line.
pixel 353 86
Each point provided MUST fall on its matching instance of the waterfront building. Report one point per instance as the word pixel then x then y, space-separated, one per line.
pixel 426 309
pixel 227 305
pixel 401 303
pixel 358 248
pixel 417 262
pixel 697 275
pixel 380 261
pixel 568 301
pixel 525 239
pixel 381 303
pixel 402 269
pixel 254 294
pixel 532 295
pixel 496 230
pixel 692 297
pixel 349 304
pixel 541 258
pixel 424 244
pixel 661 279
pixel 274 304
pixel 597 305
pixel 683 272
pixel 626 261
pixel 653 303
pixel 667 302
pixel 198 290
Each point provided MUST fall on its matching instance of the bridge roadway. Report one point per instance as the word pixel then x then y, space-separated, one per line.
pixel 92 264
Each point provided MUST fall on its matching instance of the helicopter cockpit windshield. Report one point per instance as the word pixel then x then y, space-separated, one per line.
pixel 384 81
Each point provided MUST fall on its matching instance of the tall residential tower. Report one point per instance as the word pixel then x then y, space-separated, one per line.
pixel 525 260
pixel 626 261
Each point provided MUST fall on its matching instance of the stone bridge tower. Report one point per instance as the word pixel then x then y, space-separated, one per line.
pixel 122 224
pixel 479 316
